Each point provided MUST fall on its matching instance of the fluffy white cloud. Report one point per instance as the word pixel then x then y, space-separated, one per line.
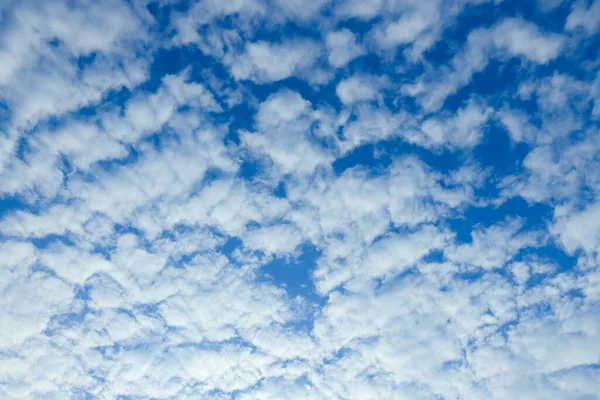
pixel 29 297
pixel 579 229
pixel 358 88
pixel 511 37
pixel 371 124
pixel 584 16
pixel 273 239
pixel 408 27
pixel 364 9
pixel 463 130
pixel 51 67
pixel 342 47
pixel 284 134
pixel 553 171
pixel 523 39
pixel 482 252
pixel 271 62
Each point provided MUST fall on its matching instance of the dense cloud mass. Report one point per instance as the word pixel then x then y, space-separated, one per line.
pixel 287 199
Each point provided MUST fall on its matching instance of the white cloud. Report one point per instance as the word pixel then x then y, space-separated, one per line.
pixel 284 123
pixel 584 17
pixel 300 10
pixel 372 124
pixel 40 76
pixel 358 88
pixel 517 124
pixel 85 143
pixel 90 28
pixel 595 94
pixel 265 62
pixel 72 265
pixel 55 220
pixel 342 47
pixel 556 172
pixel 408 28
pixel 384 259
pixel 512 37
pixel 412 26
pixel 363 9
pixel 578 229
pixel 463 130
pixel 523 39
pixel 278 239
pixel 28 298
pixel 482 252
pixel 212 281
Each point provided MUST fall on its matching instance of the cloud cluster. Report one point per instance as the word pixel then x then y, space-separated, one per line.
pixel 277 199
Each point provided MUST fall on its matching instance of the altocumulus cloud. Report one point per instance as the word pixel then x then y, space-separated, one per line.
pixel 281 199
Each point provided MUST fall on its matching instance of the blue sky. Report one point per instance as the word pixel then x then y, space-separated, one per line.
pixel 361 199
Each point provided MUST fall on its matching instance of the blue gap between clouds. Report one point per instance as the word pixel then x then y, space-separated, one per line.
pixel 11 204
pixel 391 150
pixel 293 273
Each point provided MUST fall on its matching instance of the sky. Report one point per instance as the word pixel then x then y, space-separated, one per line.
pixel 288 199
